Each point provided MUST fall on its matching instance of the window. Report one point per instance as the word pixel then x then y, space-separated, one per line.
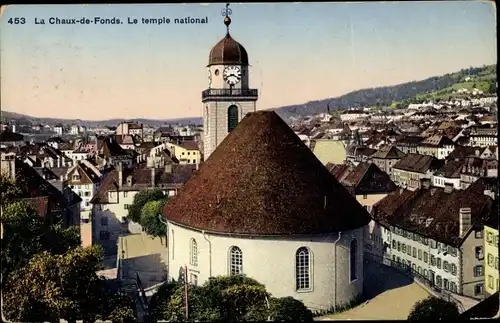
pixel 414 254
pixel 419 254
pixel 453 287
pixel 491 281
pixel 426 257
pixel 194 279
pixel 438 263
pixel 496 263
pixel 352 260
pixel 491 260
pixel 478 270
pixel 452 251
pixel 478 234
pixel 236 261
pixel 302 269
pixel 76 177
pixel 104 220
pixel 365 196
pixel 403 247
pixel 193 259
pixel 446 284
pixel 126 206
pixel 86 194
pixel 408 251
pixel 232 117
pixel 433 261
pixel 478 289
pixel 454 269
pixel 438 280
pixel 445 266
pixel 425 273
pixel 479 253
pixel 399 246
pixel 125 194
pixel 394 244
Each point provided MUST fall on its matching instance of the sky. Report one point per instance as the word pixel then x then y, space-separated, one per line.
pixel 298 52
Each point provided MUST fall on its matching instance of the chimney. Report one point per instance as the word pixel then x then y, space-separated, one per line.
pixel 448 188
pixel 168 168
pixel 8 165
pixel 197 166
pixel 153 174
pixel 120 174
pixel 464 219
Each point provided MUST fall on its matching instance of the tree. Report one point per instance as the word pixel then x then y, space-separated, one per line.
pixel 234 298
pixel 51 287
pixel 433 309
pixel 141 198
pixel 26 234
pixel 150 220
pixel 289 309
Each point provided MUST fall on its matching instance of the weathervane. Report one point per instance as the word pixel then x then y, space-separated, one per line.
pixel 227 12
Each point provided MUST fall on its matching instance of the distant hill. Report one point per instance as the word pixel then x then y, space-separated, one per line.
pixel 432 87
pixel 18 117
pixel 436 87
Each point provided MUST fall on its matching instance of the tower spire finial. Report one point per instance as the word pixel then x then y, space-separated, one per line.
pixel 227 21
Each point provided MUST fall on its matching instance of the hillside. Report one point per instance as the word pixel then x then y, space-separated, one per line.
pixel 12 116
pixel 437 87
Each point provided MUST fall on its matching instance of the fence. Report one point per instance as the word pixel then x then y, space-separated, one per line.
pixel 416 276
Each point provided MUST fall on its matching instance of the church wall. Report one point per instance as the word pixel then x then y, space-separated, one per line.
pixel 271 261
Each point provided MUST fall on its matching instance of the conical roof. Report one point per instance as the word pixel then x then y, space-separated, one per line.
pixel 263 180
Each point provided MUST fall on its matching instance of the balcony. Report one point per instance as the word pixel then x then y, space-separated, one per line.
pixel 229 94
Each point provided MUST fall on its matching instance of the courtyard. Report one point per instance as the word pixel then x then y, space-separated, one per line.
pixel 391 296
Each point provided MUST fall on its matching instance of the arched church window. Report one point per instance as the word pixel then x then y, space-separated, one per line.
pixel 235 261
pixel 352 259
pixel 232 117
pixel 193 246
pixel 303 269
pixel 216 72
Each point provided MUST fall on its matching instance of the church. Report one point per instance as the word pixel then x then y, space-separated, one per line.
pixel 262 204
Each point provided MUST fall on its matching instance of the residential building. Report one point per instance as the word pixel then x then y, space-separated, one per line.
pixel 351 115
pixel 116 194
pixel 129 128
pixel 410 170
pixel 84 179
pixel 11 139
pixel 187 152
pixel 448 174
pixel 437 146
pixel 356 154
pixel 408 144
pixel 438 234
pixel 329 151
pixel 58 129
pixel 110 152
pixel 386 157
pixel 74 129
pixel 491 251
pixel 473 168
pixel 483 136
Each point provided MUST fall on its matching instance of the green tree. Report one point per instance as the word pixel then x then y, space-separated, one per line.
pixel 433 309
pixel 141 198
pixel 159 301
pixel 119 308
pixel 150 220
pixel 26 234
pixel 289 309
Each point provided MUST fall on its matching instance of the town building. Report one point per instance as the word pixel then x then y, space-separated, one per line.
pixel 186 152
pixel 386 157
pixel 84 179
pixel 412 168
pixel 437 146
pixel 491 251
pixel 279 216
pixel 438 234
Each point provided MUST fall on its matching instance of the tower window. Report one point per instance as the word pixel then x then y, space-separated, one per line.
pixel 232 117
pixel 216 72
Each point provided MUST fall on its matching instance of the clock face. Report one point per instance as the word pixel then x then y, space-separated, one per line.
pixel 232 75
pixel 209 78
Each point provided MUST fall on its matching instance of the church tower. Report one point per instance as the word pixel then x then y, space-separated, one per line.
pixel 228 97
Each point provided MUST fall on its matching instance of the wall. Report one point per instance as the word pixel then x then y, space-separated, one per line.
pixel 271 261
pixel 440 181
pixel 469 281
pixel 369 200
pixel 491 280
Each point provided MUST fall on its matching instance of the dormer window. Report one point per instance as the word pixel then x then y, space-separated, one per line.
pixel 76 177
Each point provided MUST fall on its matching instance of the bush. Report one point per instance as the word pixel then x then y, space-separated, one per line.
pixel 432 309
pixel 289 309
